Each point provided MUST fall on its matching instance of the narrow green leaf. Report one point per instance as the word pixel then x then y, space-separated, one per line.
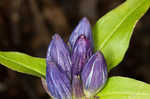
pixel 113 31
pixel 23 63
pixel 125 88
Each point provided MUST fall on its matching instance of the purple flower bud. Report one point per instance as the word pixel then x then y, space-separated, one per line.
pixel 64 69
pixel 58 52
pixel 82 28
pixel 94 74
pixel 82 51
pixel 77 90
pixel 58 84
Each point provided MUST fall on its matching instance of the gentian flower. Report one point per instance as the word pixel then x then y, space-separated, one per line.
pixel 74 71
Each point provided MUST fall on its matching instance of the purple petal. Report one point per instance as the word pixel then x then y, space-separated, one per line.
pixel 94 74
pixel 82 51
pixel 77 89
pixel 59 53
pixel 58 84
pixel 84 28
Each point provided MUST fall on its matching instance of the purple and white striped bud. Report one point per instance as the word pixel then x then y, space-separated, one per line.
pixel 58 83
pixel 75 73
pixel 77 90
pixel 94 74
pixel 84 28
pixel 58 52
pixel 81 52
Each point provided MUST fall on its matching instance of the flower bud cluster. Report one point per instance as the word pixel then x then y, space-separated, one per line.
pixel 74 71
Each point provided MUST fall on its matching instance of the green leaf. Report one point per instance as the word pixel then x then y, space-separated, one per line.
pixel 113 31
pixel 23 63
pixel 125 88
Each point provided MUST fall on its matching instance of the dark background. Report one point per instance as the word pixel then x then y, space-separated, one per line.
pixel 27 26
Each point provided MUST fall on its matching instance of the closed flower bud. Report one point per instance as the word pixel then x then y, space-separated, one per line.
pixel 82 28
pixel 77 90
pixel 94 74
pixel 58 84
pixel 81 52
pixel 72 71
pixel 58 52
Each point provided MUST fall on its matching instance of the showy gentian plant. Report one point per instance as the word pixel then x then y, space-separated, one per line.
pixel 77 69
pixel 74 71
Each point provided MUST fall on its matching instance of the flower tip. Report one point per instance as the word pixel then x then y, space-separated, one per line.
pixel 82 36
pixel 85 23
pixel 83 28
pixel 85 19
pixel 99 54
pixel 56 36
